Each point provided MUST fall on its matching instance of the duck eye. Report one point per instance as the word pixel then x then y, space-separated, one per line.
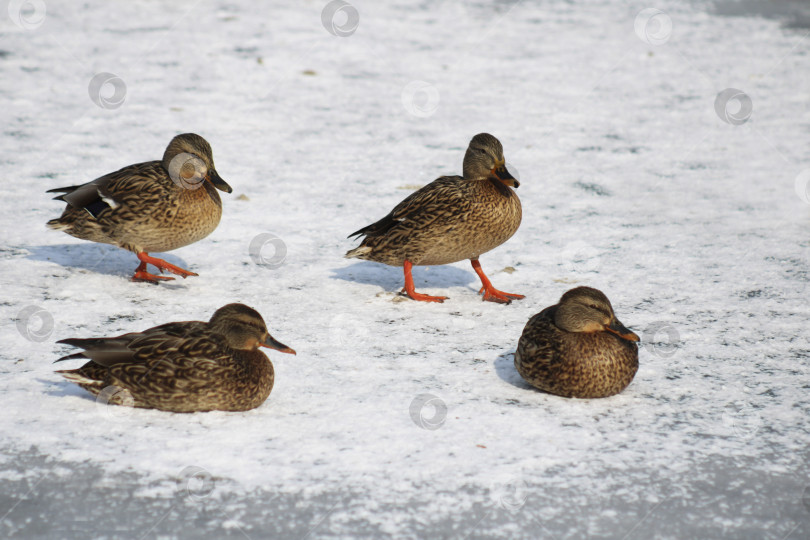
pixel 187 170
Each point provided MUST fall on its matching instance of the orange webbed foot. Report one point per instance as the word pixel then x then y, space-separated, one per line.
pixel 141 274
pixel 149 278
pixel 494 295
pixel 491 294
pixel 413 295
pixel 161 265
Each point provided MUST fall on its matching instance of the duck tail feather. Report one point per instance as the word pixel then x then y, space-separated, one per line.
pixel 357 252
pixel 74 376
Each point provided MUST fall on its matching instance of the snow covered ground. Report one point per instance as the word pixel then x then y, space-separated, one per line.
pixel 691 212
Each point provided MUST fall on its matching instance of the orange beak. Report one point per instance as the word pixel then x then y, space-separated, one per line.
pixel 499 171
pixel 271 343
pixel 615 327
pixel 218 182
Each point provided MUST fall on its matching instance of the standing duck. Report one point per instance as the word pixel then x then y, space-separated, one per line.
pixel 146 207
pixel 184 367
pixel 578 348
pixel 451 219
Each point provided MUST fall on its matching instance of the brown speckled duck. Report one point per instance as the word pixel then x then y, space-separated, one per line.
pixel 148 207
pixel 451 219
pixel 578 348
pixel 183 367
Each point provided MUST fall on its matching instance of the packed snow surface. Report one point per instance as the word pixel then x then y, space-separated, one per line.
pixel 689 206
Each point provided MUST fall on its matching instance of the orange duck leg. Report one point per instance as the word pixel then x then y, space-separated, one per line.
pixel 141 274
pixel 491 294
pixel 410 290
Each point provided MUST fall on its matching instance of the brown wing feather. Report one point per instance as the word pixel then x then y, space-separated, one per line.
pixel 417 205
pixel 418 224
pixel 539 353
pixel 111 207
pixel 176 366
pixel 113 187
pixel 134 346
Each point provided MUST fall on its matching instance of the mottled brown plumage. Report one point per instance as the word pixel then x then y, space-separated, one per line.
pixel 188 366
pixel 451 219
pixel 578 348
pixel 155 206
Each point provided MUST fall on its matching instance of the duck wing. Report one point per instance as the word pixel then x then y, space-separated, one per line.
pixel 539 346
pixel 136 347
pixel 169 370
pixel 102 351
pixel 111 190
pixel 424 206
pixel 177 340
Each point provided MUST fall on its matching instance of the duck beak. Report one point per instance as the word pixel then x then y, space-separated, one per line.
pixel 271 343
pixel 499 171
pixel 615 327
pixel 218 182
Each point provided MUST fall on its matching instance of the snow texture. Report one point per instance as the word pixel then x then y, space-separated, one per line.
pixel 695 226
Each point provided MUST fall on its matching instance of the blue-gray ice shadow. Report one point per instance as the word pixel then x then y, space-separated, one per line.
pixel 64 388
pixel 505 369
pixel 391 277
pixel 791 13
pixel 99 258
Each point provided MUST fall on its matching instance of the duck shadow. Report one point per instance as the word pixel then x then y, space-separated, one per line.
pixel 63 388
pixel 391 277
pixel 505 369
pixel 98 258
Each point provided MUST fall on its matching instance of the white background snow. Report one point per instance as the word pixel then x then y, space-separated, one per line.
pixel 695 228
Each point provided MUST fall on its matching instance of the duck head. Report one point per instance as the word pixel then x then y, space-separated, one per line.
pixel 585 309
pixel 190 161
pixel 484 159
pixel 244 329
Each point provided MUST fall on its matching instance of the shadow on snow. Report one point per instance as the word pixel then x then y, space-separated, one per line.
pixel 98 258
pixel 391 277
pixel 505 369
